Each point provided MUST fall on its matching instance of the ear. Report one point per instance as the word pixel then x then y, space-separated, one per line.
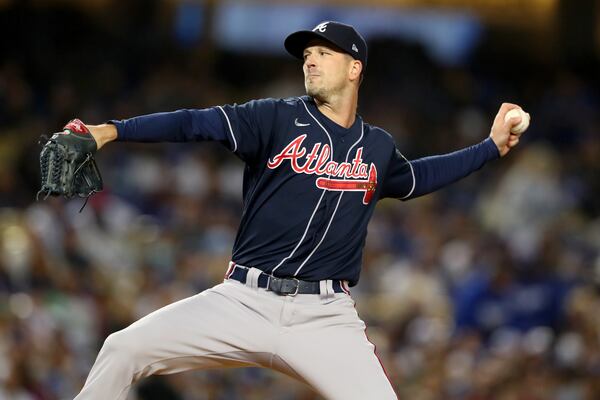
pixel 355 70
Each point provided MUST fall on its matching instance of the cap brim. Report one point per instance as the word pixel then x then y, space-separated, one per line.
pixel 296 42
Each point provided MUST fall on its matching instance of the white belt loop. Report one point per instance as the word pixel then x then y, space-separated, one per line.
pixel 252 277
pixel 330 290
pixel 326 288
pixel 322 289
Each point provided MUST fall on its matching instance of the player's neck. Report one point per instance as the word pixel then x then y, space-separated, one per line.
pixel 340 108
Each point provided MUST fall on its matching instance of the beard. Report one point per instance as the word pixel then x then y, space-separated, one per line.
pixel 324 90
pixel 318 93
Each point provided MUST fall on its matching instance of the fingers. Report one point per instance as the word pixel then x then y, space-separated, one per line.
pixel 502 111
pixel 508 106
pixel 513 121
pixel 505 108
pixel 516 120
pixel 510 117
pixel 512 125
pixel 513 140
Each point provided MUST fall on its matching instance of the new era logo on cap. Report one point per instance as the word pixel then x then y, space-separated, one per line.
pixel 342 35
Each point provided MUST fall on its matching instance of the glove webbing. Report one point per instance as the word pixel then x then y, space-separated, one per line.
pixel 53 184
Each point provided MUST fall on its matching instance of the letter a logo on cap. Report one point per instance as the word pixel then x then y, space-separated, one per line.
pixel 321 27
pixel 354 47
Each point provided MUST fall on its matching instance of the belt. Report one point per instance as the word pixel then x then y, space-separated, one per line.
pixel 283 286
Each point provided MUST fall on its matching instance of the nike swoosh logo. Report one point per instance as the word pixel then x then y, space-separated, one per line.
pixel 299 123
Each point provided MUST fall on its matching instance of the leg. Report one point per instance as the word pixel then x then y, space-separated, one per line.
pixel 328 347
pixel 216 328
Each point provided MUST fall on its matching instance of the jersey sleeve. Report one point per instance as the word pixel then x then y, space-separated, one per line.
pixel 434 172
pixel 250 127
pixel 399 181
pixel 175 126
pixel 245 129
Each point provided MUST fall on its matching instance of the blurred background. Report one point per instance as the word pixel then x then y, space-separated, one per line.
pixel 488 289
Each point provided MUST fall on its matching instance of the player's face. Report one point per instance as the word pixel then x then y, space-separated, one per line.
pixel 326 69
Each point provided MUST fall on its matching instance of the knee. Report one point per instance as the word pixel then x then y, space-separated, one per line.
pixel 122 344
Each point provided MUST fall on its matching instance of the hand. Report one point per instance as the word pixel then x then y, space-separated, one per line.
pixel 501 134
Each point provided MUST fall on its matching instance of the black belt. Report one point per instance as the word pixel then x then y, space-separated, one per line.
pixel 284 286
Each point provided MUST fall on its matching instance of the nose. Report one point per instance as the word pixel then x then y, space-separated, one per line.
pixel 309 61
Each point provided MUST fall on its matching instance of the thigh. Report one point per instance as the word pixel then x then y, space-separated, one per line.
pixel 221 327
pixel 328 347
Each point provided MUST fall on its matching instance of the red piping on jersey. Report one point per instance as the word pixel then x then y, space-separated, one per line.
pixel 230 270
pixel 344 286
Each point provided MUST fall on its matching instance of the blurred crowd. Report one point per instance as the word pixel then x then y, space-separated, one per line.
pixel 487 289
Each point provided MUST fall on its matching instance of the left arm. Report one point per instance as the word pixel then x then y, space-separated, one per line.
pixel 432 173
pixel 435 172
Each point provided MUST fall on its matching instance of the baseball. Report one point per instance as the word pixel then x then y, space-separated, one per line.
pixel 522 126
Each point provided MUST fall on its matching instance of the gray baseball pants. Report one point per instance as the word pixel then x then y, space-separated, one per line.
pixel 318 339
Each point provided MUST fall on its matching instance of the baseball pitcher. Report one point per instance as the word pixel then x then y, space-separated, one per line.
pixel 314 171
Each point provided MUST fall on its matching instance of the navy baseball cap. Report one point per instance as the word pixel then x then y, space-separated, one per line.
pixel 342 35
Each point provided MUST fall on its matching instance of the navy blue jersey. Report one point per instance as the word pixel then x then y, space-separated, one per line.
pixel 310 185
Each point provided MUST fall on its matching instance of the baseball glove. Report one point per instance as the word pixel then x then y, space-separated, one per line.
pixel 67 163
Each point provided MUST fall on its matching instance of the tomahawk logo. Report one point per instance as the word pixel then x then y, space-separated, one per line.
pixel 355 176
pixel 322 27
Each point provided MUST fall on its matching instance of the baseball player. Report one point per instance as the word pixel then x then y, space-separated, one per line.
pixel 314 171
